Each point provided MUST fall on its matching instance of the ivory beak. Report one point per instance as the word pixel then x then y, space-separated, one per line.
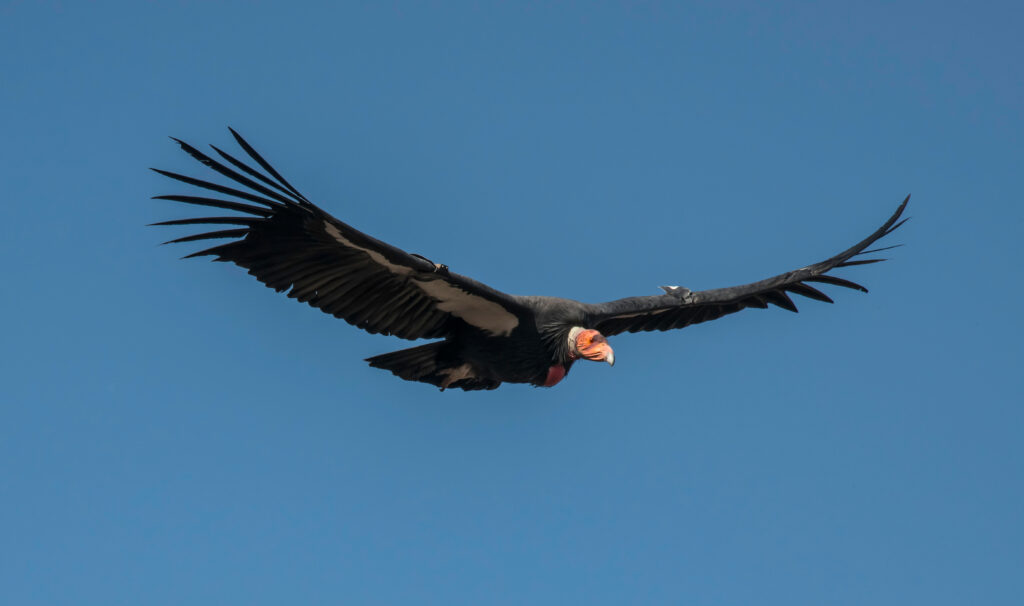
pixel 610 358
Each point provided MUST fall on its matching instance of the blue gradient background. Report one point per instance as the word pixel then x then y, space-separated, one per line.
pixel 175 433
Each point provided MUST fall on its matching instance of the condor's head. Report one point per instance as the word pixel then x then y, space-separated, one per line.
pixel 589 344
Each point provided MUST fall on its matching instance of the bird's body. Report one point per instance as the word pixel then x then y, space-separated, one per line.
pixel 536 351
pixel 489 337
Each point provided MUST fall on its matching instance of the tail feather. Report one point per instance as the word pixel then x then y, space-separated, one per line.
pixel 433 363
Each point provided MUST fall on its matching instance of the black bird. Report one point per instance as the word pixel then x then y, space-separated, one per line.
pixel 487 337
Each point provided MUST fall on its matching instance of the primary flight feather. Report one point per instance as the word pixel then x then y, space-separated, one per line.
pixel 488 337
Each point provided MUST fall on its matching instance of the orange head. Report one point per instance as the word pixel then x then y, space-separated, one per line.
pixel 590 344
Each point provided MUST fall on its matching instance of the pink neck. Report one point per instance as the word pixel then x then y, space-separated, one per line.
pixel 555 374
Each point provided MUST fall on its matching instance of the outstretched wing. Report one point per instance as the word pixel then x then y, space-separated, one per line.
pixel 680 307
pixel 290 244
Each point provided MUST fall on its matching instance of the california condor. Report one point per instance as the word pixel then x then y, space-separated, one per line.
pixel 487 337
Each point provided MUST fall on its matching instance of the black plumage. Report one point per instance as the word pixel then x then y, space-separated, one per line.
pixel 489 337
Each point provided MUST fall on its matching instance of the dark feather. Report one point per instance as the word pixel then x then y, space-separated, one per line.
pixel 219 189
pixel 213 235
pixel 874 250
pixel 833 280
pixel 859 262
pixel 809 291
pixel 266 165
pixel 214 251
pixel 779 298
pixel 225 204
pixel 209 220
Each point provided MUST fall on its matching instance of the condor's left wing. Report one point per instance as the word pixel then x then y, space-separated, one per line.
pixel 680 307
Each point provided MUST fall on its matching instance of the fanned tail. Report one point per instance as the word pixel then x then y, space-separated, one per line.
pixel 433 363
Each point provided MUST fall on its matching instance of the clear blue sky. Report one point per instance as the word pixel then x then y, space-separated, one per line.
pixel 175 433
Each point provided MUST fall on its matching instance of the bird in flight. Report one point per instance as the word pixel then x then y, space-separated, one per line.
pixel 486 337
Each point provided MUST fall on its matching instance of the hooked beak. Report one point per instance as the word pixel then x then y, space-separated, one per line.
pixel 589 344
pixel 599 352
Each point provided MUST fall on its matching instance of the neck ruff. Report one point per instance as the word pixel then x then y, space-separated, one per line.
pixel 574 353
